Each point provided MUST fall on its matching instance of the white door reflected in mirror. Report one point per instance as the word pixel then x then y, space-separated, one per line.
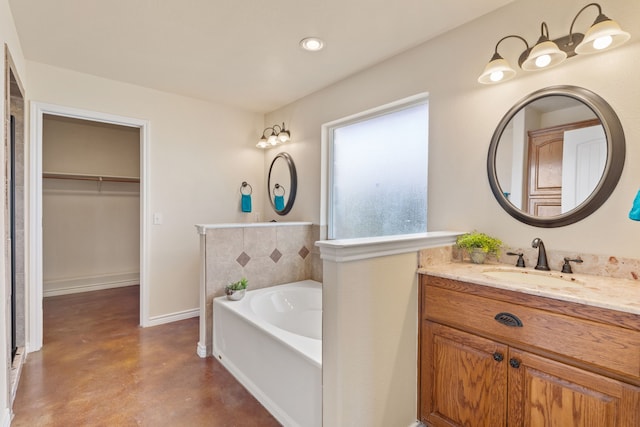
pixel 584 155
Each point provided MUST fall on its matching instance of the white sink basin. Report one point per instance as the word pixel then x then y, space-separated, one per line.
pixel 531 277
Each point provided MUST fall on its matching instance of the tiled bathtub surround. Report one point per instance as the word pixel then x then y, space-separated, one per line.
pixel 597 265
pixel 267 254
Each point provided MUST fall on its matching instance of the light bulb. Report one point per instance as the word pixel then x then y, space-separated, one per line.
pixel 497 70
pixel 283 136
pixel 542 61
pixel 496 76
pixel 313 44
pixel 602 42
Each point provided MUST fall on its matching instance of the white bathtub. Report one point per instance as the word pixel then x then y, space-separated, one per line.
pixel 271 341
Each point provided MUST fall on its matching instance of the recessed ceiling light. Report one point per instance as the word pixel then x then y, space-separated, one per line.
pixel 312 44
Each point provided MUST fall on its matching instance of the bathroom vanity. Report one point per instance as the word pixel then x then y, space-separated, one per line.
pixel 531 352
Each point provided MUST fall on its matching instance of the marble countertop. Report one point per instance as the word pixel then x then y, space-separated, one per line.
pixel 599 291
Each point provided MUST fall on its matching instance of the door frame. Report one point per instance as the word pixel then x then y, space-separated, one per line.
pixel 35 265
pixel 10 163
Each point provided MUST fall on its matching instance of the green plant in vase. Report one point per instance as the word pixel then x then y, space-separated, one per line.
pixel 236 290
pixel 479 245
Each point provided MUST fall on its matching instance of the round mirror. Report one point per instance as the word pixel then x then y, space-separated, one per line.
pixel 556 156
pixel 282 183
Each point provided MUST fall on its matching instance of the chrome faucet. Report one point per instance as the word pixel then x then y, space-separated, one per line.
pixel 542 263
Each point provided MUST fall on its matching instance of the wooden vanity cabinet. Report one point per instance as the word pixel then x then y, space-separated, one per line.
pixel 475 371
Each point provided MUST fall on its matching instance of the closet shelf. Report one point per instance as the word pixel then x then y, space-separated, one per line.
pixel 89 177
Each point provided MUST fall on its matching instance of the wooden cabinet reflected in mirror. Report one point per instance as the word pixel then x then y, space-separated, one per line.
pixel 556 156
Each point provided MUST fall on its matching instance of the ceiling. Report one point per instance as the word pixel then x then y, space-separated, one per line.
pixel 241 53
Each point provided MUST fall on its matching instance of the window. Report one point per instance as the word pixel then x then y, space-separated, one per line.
pixel 378 172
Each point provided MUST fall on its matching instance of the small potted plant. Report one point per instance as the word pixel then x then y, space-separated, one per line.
pixel 236 290
pixel 479 245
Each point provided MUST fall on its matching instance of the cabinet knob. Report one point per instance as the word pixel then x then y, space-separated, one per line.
pixel 498 357
pixel 515 363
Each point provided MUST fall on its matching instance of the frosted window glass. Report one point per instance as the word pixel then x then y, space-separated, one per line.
pixel 379 185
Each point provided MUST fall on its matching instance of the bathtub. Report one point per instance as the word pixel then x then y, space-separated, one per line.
pixel 271 341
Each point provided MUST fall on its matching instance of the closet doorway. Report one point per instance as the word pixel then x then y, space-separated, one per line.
pixel 89 195
pixel 90 205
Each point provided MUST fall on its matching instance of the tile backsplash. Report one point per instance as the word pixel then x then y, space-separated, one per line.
pixel 265 255
pixel 598 265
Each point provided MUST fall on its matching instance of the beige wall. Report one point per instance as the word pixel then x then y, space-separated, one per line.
pixel 86 147
pixel 369 342
pixel 199 154
pixel 91 236
pixel 8 36
pixel 464 114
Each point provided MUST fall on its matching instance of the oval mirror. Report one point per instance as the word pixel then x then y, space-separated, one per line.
pixel 282 183
pixel 556 156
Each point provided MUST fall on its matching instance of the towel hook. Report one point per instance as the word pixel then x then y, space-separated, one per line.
pixel 277 187
pixel 244 186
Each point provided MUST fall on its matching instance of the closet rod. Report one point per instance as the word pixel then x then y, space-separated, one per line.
pixel 89 177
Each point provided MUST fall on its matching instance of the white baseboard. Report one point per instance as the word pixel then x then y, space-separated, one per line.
pixel 172 317
pixel 16 370
pixel 201 350
pixel 6 417
pixel 416 424
pixel 67 286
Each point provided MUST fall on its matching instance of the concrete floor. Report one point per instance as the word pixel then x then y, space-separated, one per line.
pixel 98 368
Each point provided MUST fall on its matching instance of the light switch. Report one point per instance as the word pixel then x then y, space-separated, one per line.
pixel 157 218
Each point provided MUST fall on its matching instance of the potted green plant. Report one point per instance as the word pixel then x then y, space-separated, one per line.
pixel 235 291
pixel 479 245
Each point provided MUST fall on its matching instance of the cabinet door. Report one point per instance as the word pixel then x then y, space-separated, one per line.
pixel 463 378
pixel 546 393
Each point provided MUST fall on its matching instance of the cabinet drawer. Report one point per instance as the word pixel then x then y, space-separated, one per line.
pixel 607 346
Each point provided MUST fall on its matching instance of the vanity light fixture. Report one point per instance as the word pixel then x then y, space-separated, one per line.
pixel 603 34
pixel 273 135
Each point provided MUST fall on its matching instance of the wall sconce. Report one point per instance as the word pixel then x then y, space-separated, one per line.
pixel 603 34
pixel 274 135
